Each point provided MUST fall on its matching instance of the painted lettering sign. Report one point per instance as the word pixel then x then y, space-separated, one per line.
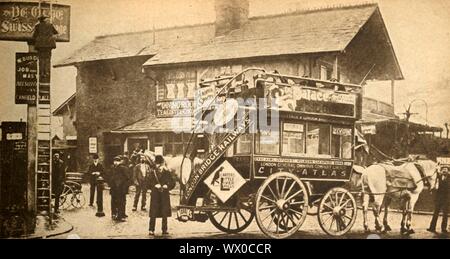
pixel 214 156
pixel 175 108
pixel 17 20
pixel 26 78
pixel 312 169
pixel 309 100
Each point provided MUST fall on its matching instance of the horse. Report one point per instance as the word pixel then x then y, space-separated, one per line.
pixel 377 186
pixel 174 165
pixel 183 172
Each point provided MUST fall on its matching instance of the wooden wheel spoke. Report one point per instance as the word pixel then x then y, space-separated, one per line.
pixel 332 221
pixel 224 216
pixel 331 200
pixel 297 202
pixel 328 219
pixel 270 223
pixel 277 184
pixel 289 190
pixel 270 214
pixel 229 221
pixel 242 216
pixel 348 217
pixel 272 192
pixel 268 199
pixel 327 206
pixel 236 219
pixel 342 198
pixel 291 218
pixel 295 194
pixel 277 226
pixel 345 203
pixel 283 187
pixel 285 222
pixel 296 212
pixel 267 207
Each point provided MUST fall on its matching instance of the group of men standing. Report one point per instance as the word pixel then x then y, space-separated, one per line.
pixel 145 174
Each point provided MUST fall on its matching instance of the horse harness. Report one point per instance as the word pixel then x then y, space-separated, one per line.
pixel 424 178
pixel 421 170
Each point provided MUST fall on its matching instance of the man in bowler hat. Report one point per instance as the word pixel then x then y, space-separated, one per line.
pixel 58 178
pixel 119 186
pixel 95 171
pixel 161 182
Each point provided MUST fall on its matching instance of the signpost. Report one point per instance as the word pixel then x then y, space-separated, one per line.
pixel 17 20
pixel 369 129
pixel 26 78
pixel 93 145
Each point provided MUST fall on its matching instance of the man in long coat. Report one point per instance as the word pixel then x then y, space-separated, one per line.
pixel 44 40
pixel 161 182
pixel 58 178
pixel 119 187
pixel 141 176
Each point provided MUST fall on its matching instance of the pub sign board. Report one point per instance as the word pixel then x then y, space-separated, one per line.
pixel 17 20
pixel 26 78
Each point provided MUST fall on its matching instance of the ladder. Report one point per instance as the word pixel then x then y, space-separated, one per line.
pixel 43 158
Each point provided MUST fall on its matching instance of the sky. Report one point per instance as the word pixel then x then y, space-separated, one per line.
pixel 419 30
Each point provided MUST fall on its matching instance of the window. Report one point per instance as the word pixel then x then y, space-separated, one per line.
pixel 268 143
pixel 318 139
pixel 293 139
pixel 174 146
pixel 325 73
pixel 244 144
pixel 177 84
pixel 341 143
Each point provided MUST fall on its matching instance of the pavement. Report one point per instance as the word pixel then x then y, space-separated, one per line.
pixel 87 226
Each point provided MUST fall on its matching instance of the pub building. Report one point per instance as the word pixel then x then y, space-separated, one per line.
pixel 130 86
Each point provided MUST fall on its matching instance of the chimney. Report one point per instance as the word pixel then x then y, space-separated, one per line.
pixel 230 15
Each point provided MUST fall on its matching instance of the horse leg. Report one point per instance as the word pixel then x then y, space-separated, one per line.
pixel 403 229
pixel 411 204
pixel 378 200
pixel 387 203
pixel 365 203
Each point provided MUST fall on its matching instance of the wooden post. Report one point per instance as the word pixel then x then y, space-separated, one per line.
pixel 31 146
pixel 393 93
pixel 336 69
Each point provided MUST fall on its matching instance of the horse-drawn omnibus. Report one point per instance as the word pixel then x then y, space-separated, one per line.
pixel 272 147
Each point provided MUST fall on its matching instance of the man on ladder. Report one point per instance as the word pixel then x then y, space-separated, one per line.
pixel 44 36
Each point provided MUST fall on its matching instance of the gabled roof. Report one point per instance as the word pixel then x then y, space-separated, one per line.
pixel 301 32
pixel 58 111
pixel 145 43
pixel 324 30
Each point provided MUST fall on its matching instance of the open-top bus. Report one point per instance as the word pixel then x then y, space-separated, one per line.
pixel 273 147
